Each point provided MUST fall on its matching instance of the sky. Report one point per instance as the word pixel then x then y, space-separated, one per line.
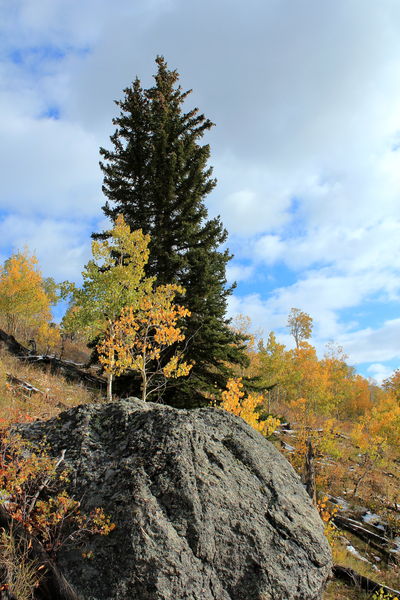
pixel 305 97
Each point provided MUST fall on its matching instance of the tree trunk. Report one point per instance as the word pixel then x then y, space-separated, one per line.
pixel 309 472
pixel 109 386
pixel 144 385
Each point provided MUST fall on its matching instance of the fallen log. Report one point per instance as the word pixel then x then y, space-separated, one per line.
pixel 12 345
pixel 342 435
pixel 68 370
pixel 379 542
pixel 353 578
pixel 23 385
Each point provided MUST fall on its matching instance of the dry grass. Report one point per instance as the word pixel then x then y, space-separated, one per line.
pixel 378 492
pixel 337 590
pixel 19 574
pixel 75 350
pixel 344 558
pixel 57 393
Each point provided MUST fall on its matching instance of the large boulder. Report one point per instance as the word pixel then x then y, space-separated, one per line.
pixel 205 507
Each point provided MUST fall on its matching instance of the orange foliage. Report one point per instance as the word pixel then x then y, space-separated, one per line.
pixel 381 423
pixel 327 515
pixel 392 384
pixel 307 378
pixel 359 397
pixel 300 325
pixel 27 478
pixel 138 339
pixel 235 401
pixel 23 299
pixel 48 337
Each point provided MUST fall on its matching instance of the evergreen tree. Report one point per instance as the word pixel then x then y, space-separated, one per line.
pixel 157 176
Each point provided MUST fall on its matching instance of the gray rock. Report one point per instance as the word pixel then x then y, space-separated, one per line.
pixel 205 507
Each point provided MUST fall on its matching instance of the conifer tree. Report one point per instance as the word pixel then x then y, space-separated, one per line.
pixel 157 176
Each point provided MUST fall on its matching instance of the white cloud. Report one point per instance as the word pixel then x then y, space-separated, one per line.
pixel 58 22
pixel 379 372
pixel 246 211
pixel 305 97
pixel 349 250
pixel 243 212
pixel 373 345
pixel 61 246
pixel 271 249
pixel 48 167
pixel 237 272
pixel 362 346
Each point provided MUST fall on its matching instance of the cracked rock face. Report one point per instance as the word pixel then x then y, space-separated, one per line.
pixel 205 507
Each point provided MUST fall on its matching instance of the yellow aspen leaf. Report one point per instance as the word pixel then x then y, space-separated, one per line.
pixel 139 338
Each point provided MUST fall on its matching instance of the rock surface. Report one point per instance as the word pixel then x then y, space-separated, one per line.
pixel 205 508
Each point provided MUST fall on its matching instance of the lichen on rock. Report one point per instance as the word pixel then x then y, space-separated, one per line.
pixel 205 507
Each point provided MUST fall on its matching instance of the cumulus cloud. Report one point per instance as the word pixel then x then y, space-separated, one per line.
pixel 306 145
pixel 61 246
pixel 48 167
pixel 379 372
pixel 236 272
pixel 326 299
pixel 373 345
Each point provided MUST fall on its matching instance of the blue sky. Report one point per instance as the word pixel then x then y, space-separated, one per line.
pixel 306 101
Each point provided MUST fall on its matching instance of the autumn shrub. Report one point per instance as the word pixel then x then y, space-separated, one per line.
pixel 371 445
pixel 382 595
pixel 235 401
pixel 327 514
pixel 32 493
pixel 32 484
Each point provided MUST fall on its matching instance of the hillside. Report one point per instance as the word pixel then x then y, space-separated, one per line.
pixel 363 527
pixel 358 493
